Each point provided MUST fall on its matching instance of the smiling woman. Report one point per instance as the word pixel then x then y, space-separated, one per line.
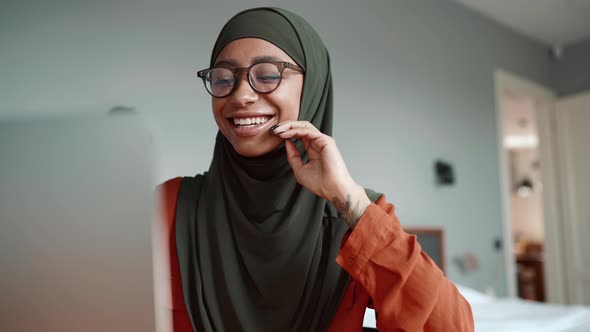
pixel 245 112
pixel 277 235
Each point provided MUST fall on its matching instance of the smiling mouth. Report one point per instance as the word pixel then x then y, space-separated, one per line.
pixel 250 122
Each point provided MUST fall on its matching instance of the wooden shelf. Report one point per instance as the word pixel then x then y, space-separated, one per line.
pixel 531 281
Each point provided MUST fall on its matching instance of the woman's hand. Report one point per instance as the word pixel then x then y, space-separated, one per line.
pixel 325 174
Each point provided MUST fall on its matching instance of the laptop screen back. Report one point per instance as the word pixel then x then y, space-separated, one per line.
pixel 76 209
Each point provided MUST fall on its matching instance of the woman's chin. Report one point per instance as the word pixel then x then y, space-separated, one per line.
pixel 256 150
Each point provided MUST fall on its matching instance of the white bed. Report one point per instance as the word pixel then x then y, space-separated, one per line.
pixel 515 315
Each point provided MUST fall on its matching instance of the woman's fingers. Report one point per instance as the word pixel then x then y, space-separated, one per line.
pixel 286 125
pixel 313 140
pixel 325 172
pixel 303 131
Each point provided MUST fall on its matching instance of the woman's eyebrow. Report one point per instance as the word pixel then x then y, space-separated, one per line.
pixel 266 58
pixel 225 63
pixel 257 59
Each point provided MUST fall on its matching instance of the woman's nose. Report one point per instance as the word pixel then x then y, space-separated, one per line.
pixel 243 93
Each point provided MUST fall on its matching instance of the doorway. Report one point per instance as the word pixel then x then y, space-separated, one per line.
pixel 521 145
pixel 530 211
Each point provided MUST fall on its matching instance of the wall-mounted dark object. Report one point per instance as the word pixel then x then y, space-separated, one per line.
pixel 121 109
pixel 444 173
pixel 498 244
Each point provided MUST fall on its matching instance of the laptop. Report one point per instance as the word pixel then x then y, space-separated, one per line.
pixel 76 211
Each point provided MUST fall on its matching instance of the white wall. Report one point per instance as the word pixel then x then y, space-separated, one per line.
pixel 413 82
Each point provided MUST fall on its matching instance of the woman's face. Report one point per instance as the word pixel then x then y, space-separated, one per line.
pixel 245 103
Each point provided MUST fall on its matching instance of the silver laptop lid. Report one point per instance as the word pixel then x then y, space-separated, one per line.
pixel 76 213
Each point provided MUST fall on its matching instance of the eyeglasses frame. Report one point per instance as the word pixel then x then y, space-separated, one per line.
pixel 281 65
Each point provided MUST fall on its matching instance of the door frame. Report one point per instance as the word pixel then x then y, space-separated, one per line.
pixel 554 268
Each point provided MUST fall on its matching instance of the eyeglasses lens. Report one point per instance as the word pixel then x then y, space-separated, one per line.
pixel 263 77
pixel 220 81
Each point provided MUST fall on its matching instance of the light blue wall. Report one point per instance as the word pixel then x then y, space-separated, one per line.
pixel 413 82
pixel 571 73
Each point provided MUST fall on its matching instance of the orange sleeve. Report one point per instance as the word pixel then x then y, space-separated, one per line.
pixel 408 290
pixel 173 301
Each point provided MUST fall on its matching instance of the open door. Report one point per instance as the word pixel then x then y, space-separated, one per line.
pixel 572 115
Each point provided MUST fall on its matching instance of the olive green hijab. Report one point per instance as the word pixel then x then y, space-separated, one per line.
pixel 257 252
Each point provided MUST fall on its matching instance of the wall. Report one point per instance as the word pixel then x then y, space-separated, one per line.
pixel 413 82
pixel 571 73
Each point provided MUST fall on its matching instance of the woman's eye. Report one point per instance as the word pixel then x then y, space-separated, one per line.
pixel 268 78
pixel 221 82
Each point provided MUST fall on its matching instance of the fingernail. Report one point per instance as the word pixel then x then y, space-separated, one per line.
pixel 281 132
pixel 273 128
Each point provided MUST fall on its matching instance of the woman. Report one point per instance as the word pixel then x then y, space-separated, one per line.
pixel 277 236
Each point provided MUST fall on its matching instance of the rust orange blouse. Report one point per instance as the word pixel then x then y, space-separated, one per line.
pixel 389 272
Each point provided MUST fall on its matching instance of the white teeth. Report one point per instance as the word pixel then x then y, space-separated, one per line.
pixel 249 121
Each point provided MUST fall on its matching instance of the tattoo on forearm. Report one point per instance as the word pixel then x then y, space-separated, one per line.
pixel 347 212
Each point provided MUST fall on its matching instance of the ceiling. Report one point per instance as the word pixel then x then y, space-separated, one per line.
pixel 551 22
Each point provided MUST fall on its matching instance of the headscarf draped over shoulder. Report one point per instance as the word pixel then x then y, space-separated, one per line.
pixel 257 251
